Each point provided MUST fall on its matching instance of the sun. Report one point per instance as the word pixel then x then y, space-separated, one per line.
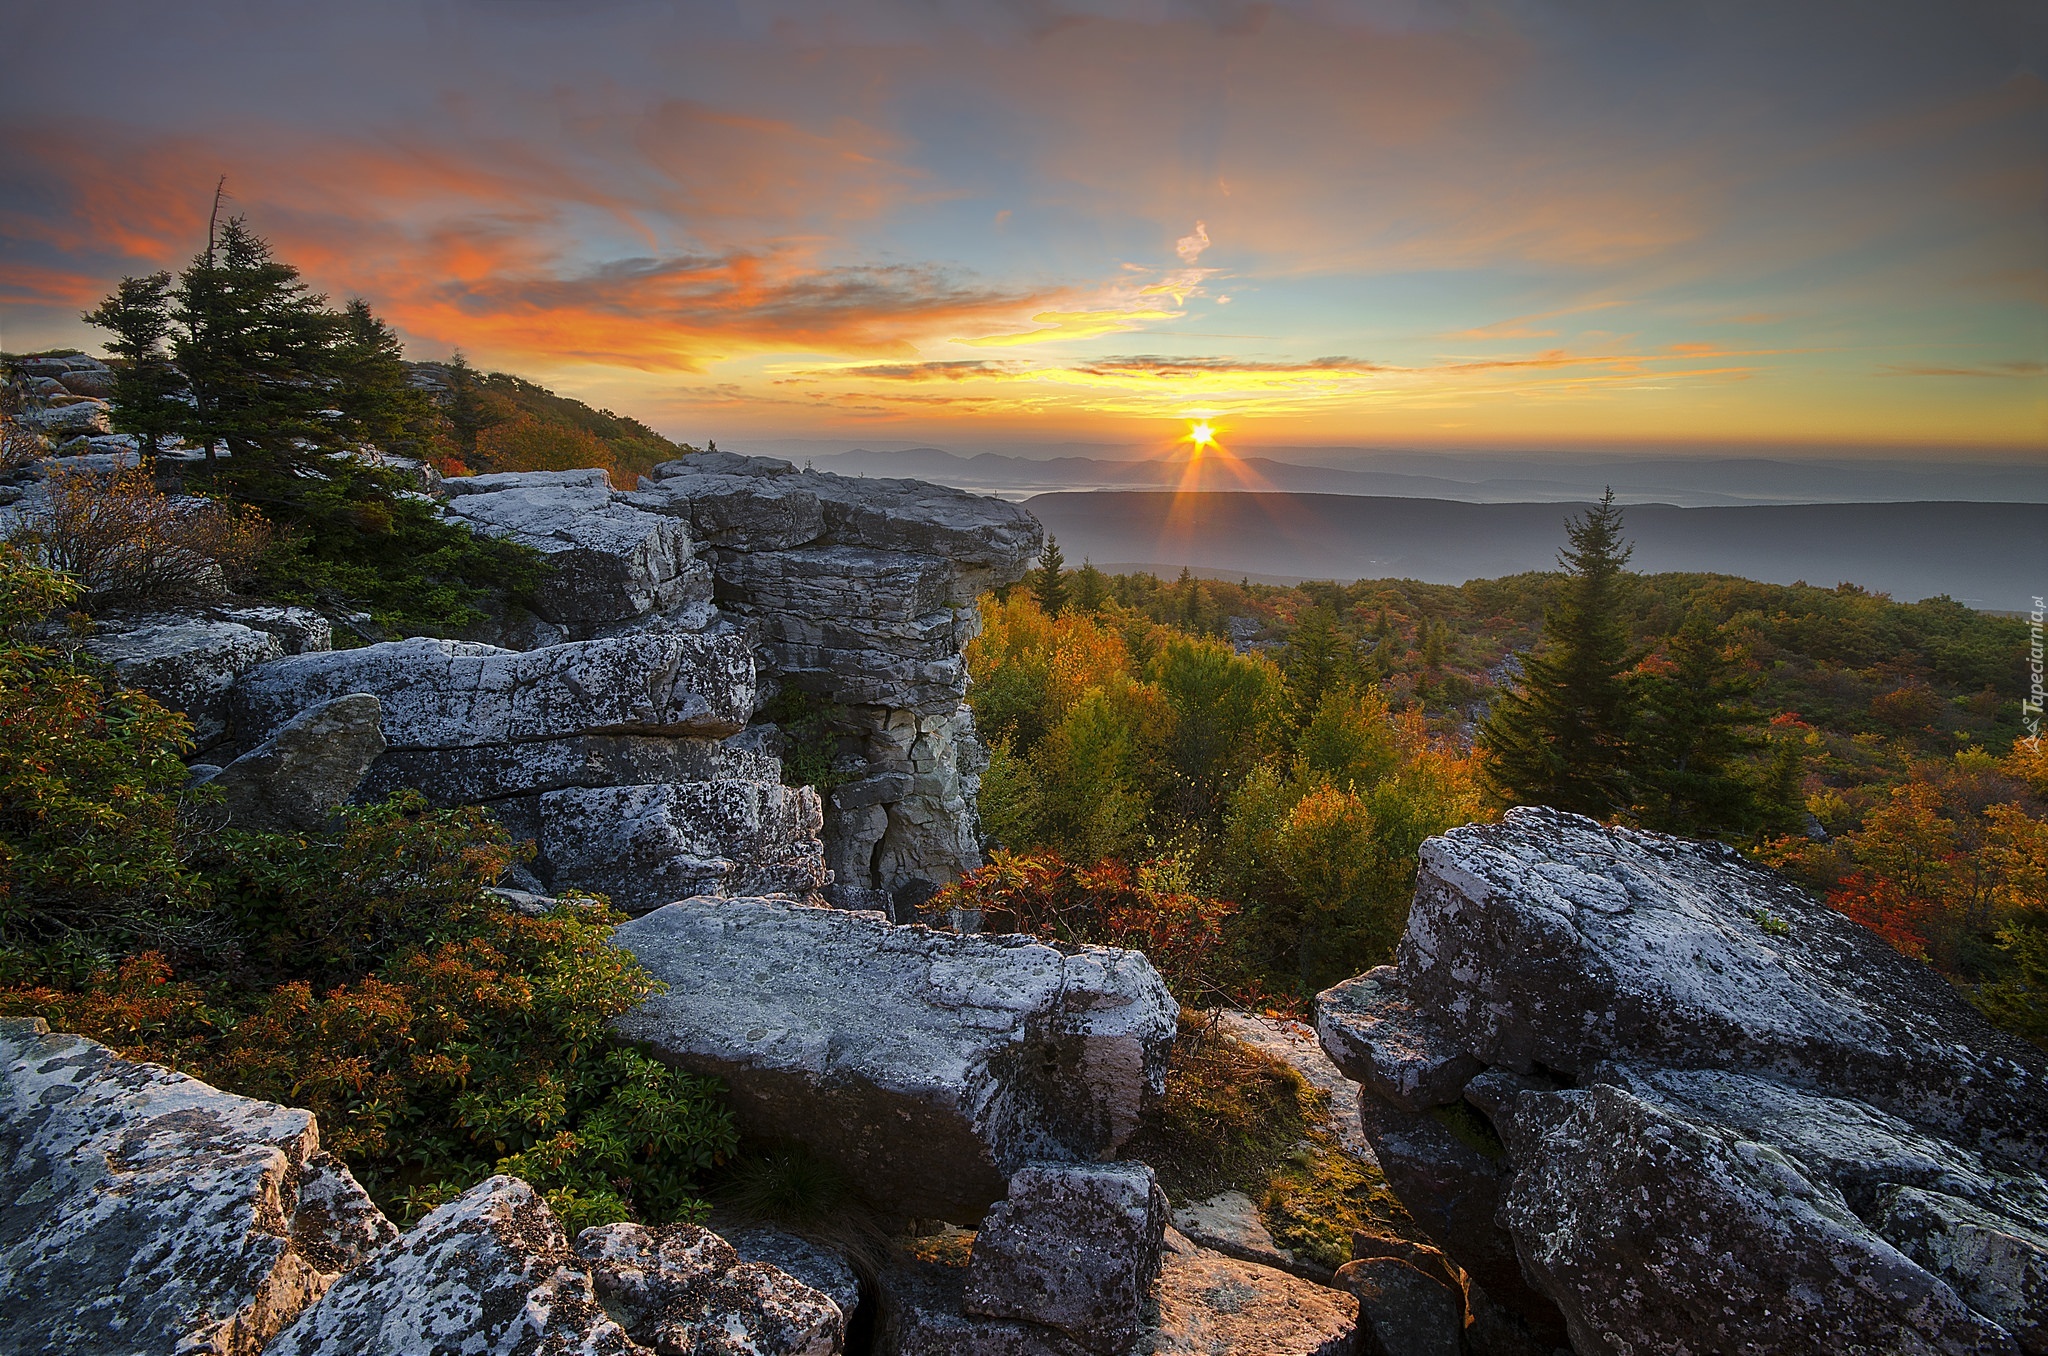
pixel 1201 435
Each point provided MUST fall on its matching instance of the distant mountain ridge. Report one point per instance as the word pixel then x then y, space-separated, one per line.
pixel 1987 555
pixel 1693 482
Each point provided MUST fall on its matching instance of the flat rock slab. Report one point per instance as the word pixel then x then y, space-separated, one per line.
pixel 928 1065
pixel 440 694
pixel 1212 1305
pixel 1549 940
pixel 495 771
pixel 147 1212
pixel 488 1272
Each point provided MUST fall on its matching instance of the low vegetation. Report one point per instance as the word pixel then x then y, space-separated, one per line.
pixel 366 972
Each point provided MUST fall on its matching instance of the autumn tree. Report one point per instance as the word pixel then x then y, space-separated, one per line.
pixel 1560 736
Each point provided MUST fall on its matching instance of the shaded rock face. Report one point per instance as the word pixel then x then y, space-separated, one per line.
pixel 863 595
pixel 296 779
pixel 1072 1247
pixel 488 1272
pixel 1404 1311
pixel 684 1289
pixel 646 845
pixel 148 1212
pixel 928 1066
pixel 1641 1089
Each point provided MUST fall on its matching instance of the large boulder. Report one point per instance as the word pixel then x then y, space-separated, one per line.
pixel 684 1289
pixel 490 1271
pixel 610 565
pixel 928 1065
pixel 647 845
pixel 1073 1247
pixel 190 664
pixel 1644 1091
pixel 148 1212
pixel 1550 941
pixel 439 694
pixel 1649 1226
pixel 295 780
pixel 78 418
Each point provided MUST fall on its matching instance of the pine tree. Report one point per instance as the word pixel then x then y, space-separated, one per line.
pixel 255 346
pixel 1688 744
pixel 145 383
pixel 1561 736
pixel 1048 584
pixel 379 404
pixel 1315 660
pixel 469 409
pixel 1091 588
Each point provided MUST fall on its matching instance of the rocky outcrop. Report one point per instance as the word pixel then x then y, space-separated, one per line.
pixel 684 1289
pixel 488 1272
pixel 1403 1310
pixel 1073 1247
pixel 863 594
pixel 1652 1095
pixel 190 664
pixel 148 1212
pixel 646 845
pixel 928 1066
pixel 611 568
pixel 451 694
pixel 295 780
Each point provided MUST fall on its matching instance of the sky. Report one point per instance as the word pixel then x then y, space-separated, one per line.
pixel 1487 224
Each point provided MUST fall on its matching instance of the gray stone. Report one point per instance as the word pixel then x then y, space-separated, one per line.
pixel 298 778
pixel 1212 1305
pixel 609 563
pixel 488 1272
pixel 1997 1265
pixel 488 772
pixel 684 1289
pixel 97 382
pixel 148 1212
pixel 648 845
pixel 1073 1247
pixel 1548 940
pixel 1402 1311
pixel 823 1269
pixel 1377 1036
pixel 300 630
pixel 189 664
pixel 80 417
pixel 1654 1231
pixel 928 1066
pixel 454 694
pixel 922 1316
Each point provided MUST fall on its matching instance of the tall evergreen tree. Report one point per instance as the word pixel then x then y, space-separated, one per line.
pixel 1091 588
pixel 1048 583
pixel 255 345
pixel 470 410
pixel 1561 736
pixel 379 404
pixel 1688 742
pixel 1316 659
pixel 146 385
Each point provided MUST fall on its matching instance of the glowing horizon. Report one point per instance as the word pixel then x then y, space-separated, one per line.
pixel 1351 223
